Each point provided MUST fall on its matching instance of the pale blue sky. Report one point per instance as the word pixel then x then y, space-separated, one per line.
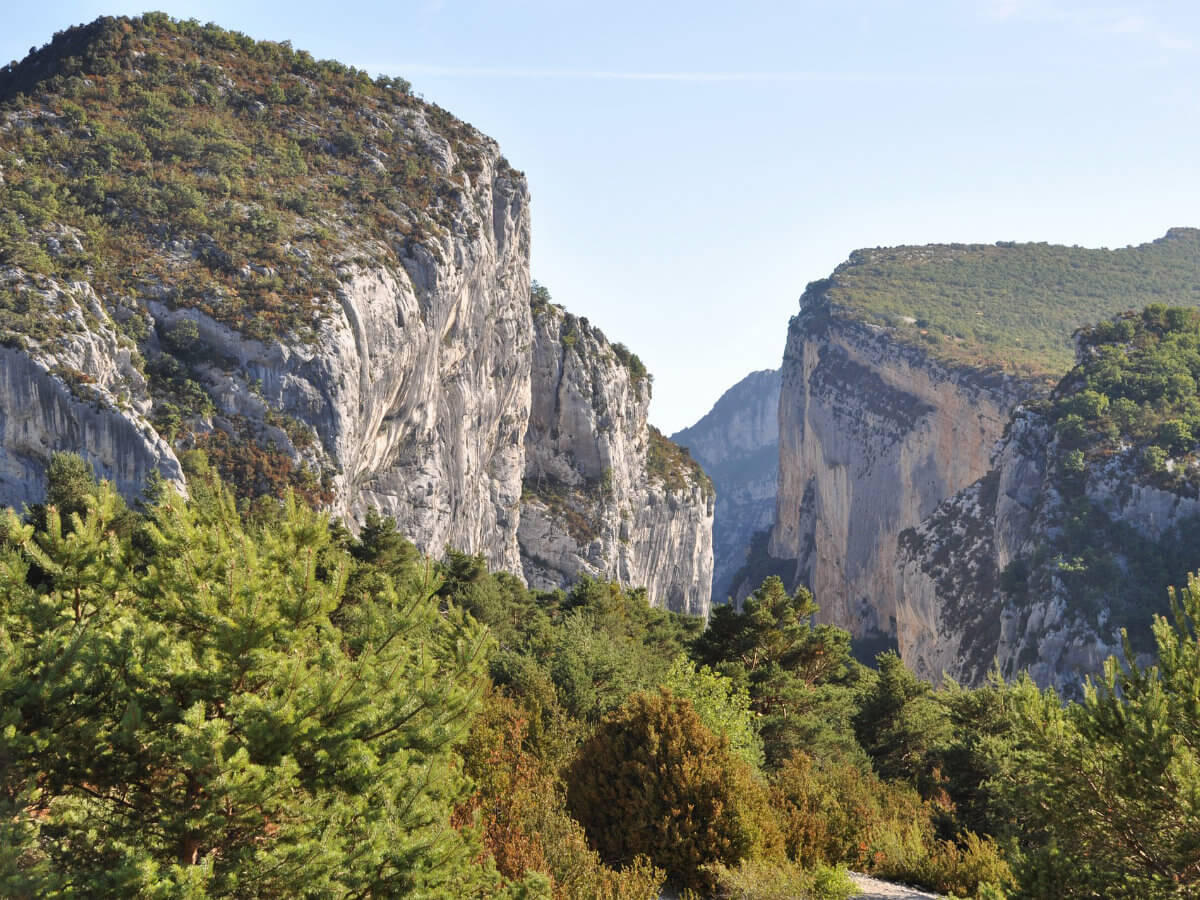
pixel 693 165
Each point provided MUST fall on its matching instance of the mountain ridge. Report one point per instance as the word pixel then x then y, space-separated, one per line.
pixel 314 276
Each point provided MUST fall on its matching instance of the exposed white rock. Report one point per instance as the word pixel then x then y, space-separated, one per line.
pixel 78 387
pixel 592 504
pixel 417 387
pixel 959 619
pixel 417 383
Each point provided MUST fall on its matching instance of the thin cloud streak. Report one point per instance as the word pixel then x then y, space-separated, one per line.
pixel 1118 20
pixel 419 69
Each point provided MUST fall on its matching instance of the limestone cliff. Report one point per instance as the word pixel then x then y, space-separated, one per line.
pixel 908 521
pixel 981 584
pixel 84 393
pixel 737 443
pixel 411 394
pixel 1089 513
pixel 873 434
pixel 605 494
pixel 320 280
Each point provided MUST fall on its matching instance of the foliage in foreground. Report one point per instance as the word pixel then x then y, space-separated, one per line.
pixel 773 880
pixel 653 780
pixel 1107 791
pixel 800 676
pixel 525 827
pixel 203 707
pixel 200 702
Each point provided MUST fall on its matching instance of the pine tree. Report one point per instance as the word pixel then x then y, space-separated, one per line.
pixel 798 673
pixel 902 725
pixel 1113 782
pixel 213 714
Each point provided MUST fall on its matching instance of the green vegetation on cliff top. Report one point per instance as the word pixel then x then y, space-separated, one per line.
pixel 1134 389
pixel 182 161
pixel 1010 306
pixel 674 467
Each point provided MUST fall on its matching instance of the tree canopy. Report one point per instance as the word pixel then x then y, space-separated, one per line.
pixel 205 709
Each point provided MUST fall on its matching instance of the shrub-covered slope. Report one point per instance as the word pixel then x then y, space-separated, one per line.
pixel 138 151
pixel 1011 306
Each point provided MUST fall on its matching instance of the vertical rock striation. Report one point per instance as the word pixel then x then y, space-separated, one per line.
pixel 737 443
pixel 605 494
pixel 322 281
pixel 82 392
pixel 416 384
pixel 873 435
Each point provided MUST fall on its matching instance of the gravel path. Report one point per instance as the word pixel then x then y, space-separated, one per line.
pixel 874 889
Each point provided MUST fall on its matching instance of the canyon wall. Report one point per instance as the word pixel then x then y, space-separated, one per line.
pixel 606 495
pixel 737 443
pixel 873 435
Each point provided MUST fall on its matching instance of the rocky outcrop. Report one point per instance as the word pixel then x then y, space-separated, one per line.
pixel 737 443
pixel 322 281
pixel 414 387
pixel 874 433
pixel 984 582
pixel 605 494
pixel 417 384
pixel 84 392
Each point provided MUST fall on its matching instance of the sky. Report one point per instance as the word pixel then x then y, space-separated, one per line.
pixel 693 165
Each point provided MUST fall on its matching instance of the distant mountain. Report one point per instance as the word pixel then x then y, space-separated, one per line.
pixel 737 443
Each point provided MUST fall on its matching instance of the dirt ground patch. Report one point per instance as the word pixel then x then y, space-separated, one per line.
pixel 874 889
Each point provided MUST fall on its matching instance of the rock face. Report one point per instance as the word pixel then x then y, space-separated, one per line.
pixel 978 588
pixel 873 435
pixel 737 442
pixel 84 394
pixel 605 494
pixel 416 383
pixel 420 388
pixel 360 332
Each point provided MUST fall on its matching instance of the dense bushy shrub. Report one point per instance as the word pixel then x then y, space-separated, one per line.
pixel 517 805
pixel 653 781
pixel 837 813
pixel 774 880
pixel 833 812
